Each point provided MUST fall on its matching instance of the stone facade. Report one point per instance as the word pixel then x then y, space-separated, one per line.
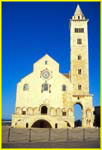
pixel 46 97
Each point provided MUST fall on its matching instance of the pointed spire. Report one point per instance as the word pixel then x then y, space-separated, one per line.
pixel 78 14
pixel 78 11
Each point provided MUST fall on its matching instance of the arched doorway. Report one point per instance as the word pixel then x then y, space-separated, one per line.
pixel 43 110
pixel 78 115
pixel 27 125
pixel 41 124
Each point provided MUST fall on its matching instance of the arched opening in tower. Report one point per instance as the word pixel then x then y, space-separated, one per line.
pixel 78 115
pixel 41 124
pixel 44 110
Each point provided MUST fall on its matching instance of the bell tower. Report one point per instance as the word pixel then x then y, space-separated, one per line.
pixel 79 53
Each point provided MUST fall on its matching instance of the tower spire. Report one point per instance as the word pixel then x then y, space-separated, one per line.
pixel 79 53
pixel 78 11
pixel 78 15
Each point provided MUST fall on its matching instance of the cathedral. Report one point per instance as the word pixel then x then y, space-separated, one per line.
pixel 45 98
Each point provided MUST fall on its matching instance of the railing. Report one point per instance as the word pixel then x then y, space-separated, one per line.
pixel 20 135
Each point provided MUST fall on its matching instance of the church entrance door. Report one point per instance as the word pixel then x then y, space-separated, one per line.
pixel 41 124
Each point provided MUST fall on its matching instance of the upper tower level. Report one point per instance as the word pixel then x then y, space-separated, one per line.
pixel 78 15
pixel 79 53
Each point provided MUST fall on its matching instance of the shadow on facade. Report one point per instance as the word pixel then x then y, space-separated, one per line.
pixel 78 123
pixel 97 116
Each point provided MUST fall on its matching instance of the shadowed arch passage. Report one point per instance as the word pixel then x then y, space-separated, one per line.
pixel 41 124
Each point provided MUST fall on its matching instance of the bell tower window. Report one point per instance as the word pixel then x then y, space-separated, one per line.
pixel 79 57
pixel 79 30
pixel 79 41
pixel 78 17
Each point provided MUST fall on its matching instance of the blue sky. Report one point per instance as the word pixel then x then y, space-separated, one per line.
pixel 32 29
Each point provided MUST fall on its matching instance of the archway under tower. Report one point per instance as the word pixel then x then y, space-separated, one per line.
pixel 78 108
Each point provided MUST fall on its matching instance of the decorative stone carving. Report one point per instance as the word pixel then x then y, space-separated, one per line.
pixel 88 113
pixel 30 111
pixel 58 111
pixel 70 111
pixel 52 111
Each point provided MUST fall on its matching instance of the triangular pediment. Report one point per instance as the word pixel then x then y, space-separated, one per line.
pixel 46 62
pixel 47 57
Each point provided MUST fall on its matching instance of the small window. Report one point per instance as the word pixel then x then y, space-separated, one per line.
pixel 79 71
pixel 45 87
pixel 23 112
pixel 79 57
pixel 79 87
pixel 46 62
pixel 79 41
pixel 64 113
pixel 78 97
pixel 25 87
pixel 44 110
pixel 76 30
pixel 63 87
pixel 79 30
pixel 82 30
pixel 78 17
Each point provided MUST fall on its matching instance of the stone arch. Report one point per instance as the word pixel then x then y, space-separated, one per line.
pixel 42 106
pixel 35 110
pixel 44 110
pixel 18 110
pixel 58 111
pixel 30 111
pixel 24 111
pixel 52 111
pixel 79 104
pixel 64 112
pixel 41 123
pixel 79 121
pixel 42 118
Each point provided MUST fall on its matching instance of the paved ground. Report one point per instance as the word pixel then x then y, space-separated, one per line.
pixel 50 138
pixel 91 144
